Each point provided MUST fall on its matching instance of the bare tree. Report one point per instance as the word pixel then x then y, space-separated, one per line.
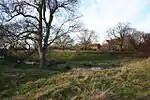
pixel 3 36
pixel 64 42
pixel 118 34
pixel 12 42
pixel 145 45
pixel 41 18
pixel 136 38
pixel 8 35
pixel 87 37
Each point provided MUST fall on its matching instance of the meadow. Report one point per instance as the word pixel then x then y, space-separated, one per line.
pixel 123 77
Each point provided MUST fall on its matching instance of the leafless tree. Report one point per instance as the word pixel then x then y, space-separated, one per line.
pixel 8 35
pixel 145 45
pixel 136 38
pixel 45 20
pixel 87 37
pixel 118 34
pixel 12 42
pixel 64 42
pixel 3 37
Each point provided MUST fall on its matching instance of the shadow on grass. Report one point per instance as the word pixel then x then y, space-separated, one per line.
pixel 12 78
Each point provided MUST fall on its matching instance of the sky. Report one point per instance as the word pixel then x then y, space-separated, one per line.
pixel 100 15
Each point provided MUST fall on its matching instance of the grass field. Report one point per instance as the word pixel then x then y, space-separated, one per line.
pixel 127 79
pixel 91 58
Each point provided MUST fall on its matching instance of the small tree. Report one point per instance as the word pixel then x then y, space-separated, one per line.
pixel 87 37
pixel 145 45
pixel 64 42
pixel 135 39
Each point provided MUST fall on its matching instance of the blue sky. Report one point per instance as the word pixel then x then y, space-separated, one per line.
pixel 100 15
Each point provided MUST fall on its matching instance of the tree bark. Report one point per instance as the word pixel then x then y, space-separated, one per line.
pixel 42 54
pixel 40 37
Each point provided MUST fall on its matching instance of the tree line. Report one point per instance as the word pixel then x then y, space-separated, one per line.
pixel 123 37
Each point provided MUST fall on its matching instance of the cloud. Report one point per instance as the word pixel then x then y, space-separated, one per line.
pixel 100 15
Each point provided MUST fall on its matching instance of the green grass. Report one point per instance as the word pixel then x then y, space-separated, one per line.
pixel 129 82
pixel 91 58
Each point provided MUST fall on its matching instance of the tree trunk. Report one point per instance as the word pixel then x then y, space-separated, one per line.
pixel 63 48
pixel 42 54
pixel 40 37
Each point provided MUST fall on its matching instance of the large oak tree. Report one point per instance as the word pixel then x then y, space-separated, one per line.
pixel 44 20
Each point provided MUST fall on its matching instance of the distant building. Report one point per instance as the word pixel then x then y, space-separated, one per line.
pixel 110 45
pixel 115 44
pixel 95 47
pixel 105 45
